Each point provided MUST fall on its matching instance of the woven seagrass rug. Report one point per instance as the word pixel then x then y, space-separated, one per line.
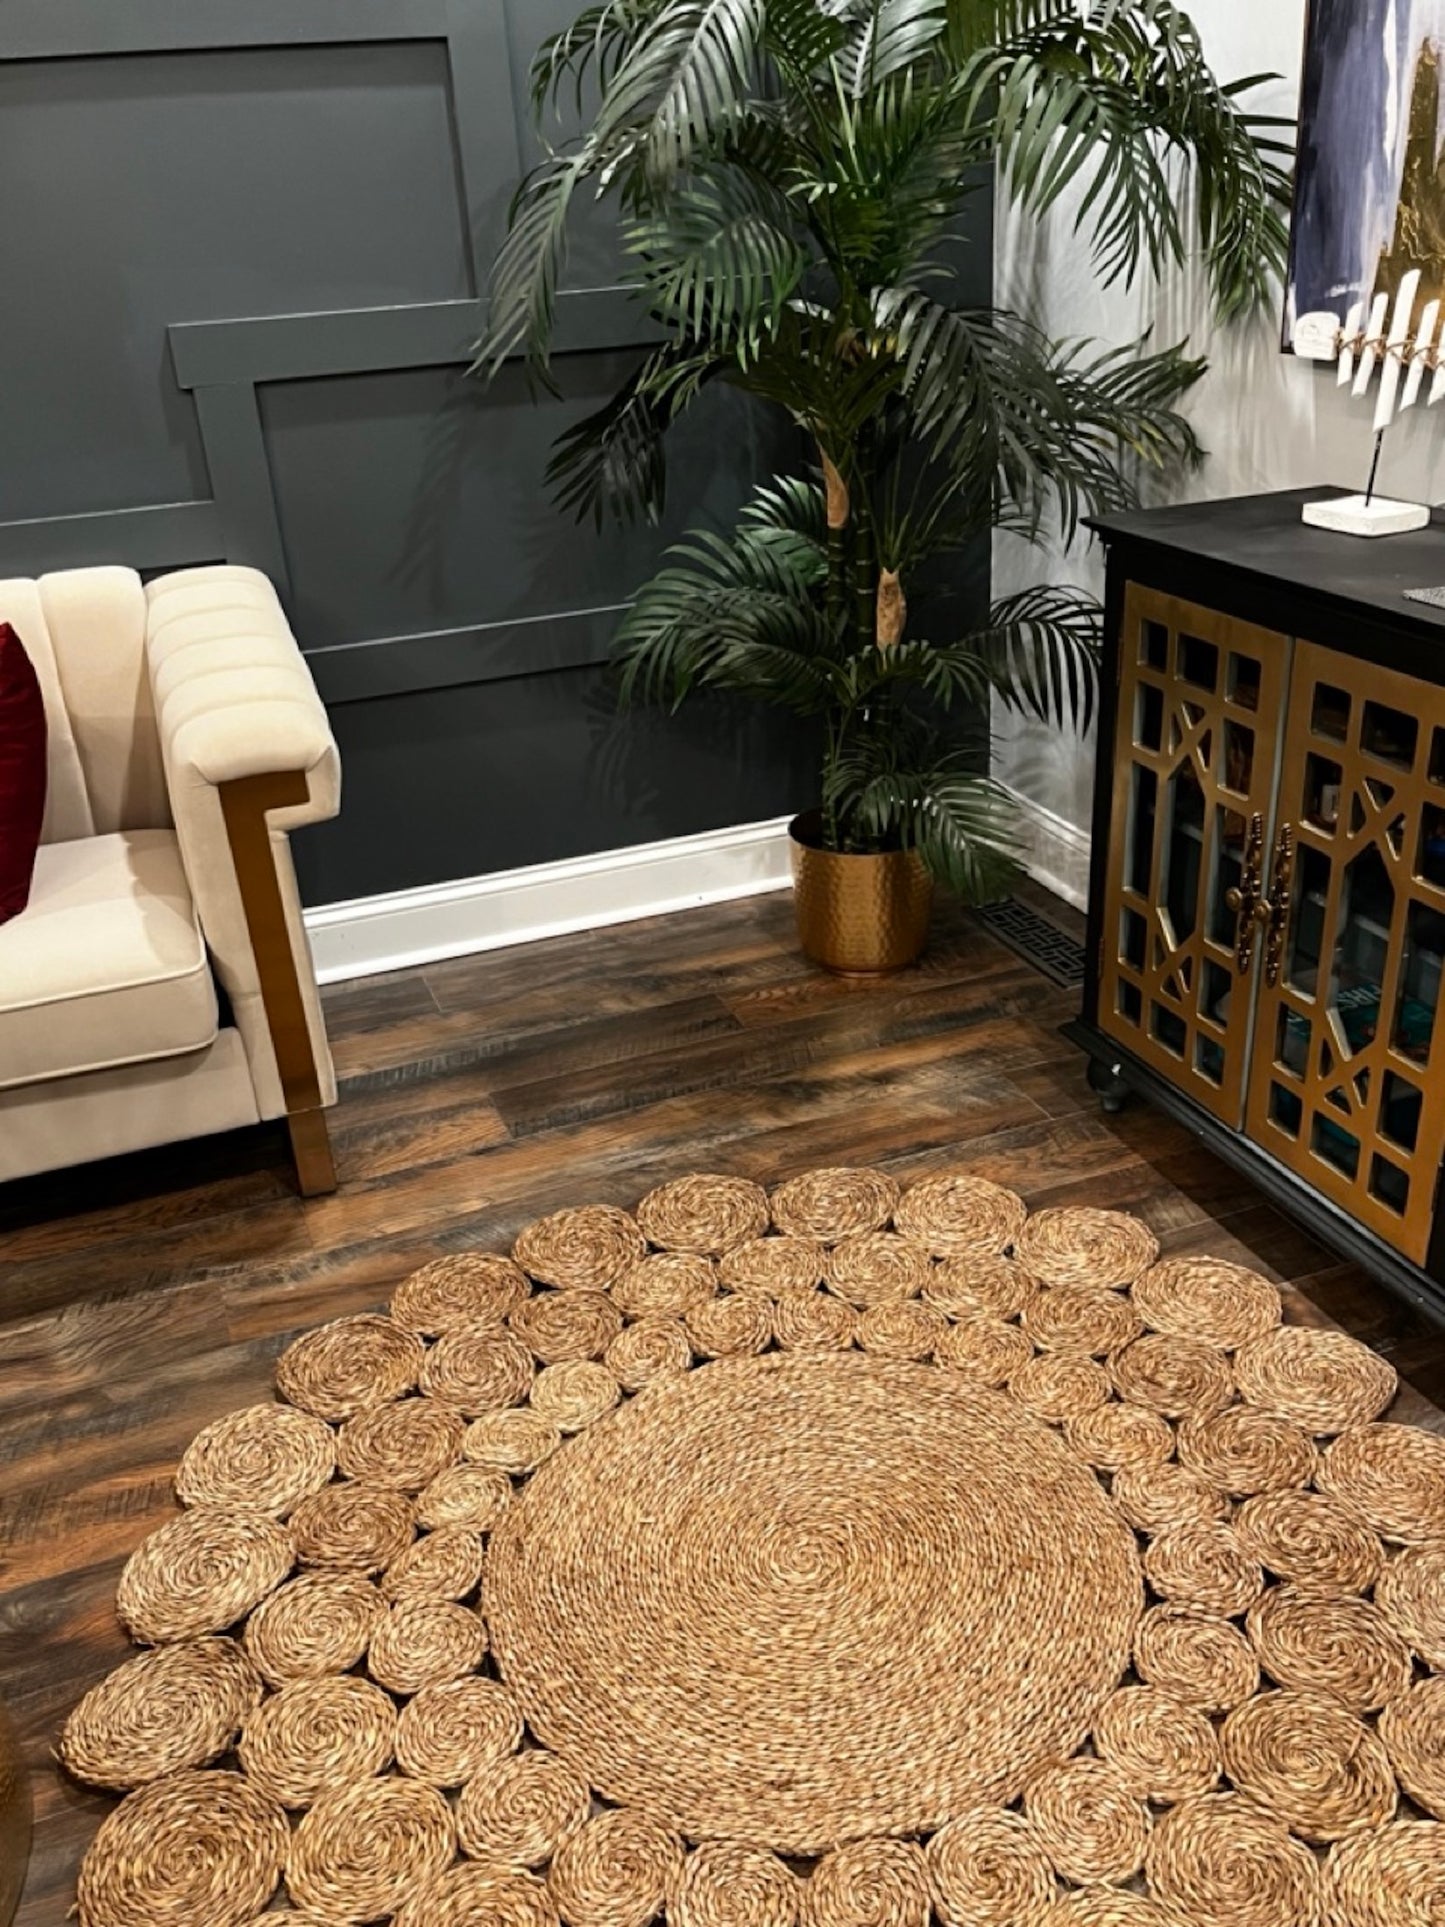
pixel 838 1557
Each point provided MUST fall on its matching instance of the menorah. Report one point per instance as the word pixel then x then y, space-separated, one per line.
pixel 1402 353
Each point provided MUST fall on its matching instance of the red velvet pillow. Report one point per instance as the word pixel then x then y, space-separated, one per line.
pixel 22 772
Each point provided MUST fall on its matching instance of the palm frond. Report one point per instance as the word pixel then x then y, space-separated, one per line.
pixel 801 38
pixel 722 259
pixel 947 674
pixel 887 37
pixel 1244 206
pixel 1121 93
pixel 787 502
pixel 1054 118
pixel 831 378
pixel 900 789
pixel 595 45
pixel 1123 403
pixel 741 615
pixel 1024 420
pixel 893 175
pixel 977 23
pixel 523 291
pixel 613 461
pixel 1043 646
pixel 684 79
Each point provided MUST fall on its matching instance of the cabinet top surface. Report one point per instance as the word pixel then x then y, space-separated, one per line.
pixel 1264 535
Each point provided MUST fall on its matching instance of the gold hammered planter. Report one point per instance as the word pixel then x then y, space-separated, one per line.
pixel 858 915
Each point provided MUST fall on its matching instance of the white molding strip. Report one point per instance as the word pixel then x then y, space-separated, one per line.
pixel 372 934
pixel 1055 851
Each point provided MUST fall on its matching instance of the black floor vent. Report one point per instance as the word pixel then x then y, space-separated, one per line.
pixel 1037 941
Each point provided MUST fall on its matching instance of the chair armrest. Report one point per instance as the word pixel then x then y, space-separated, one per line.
pixel 233 694
pixel 248 755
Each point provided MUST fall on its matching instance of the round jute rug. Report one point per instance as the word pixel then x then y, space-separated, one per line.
pixel 851 1556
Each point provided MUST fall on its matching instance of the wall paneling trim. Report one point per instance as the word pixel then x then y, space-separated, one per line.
pixel 247 243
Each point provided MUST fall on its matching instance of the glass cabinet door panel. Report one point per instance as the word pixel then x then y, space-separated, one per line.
pixel 1348 1082
pixel 1200 699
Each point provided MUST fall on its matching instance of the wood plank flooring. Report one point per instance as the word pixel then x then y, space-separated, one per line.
pixel 141 1299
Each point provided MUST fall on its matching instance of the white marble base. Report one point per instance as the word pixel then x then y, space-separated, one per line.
pixel 1353 515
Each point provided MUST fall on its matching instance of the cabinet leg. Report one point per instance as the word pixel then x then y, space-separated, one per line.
pixel 1106 1080
pixel 311 1153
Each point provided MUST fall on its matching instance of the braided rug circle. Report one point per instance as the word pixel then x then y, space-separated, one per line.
pixel 850 1555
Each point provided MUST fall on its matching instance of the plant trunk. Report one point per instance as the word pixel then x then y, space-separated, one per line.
pixel 865 588
pixel 838 511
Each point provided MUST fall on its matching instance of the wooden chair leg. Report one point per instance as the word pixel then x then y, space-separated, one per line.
pixel 311 1151
pixel 245 802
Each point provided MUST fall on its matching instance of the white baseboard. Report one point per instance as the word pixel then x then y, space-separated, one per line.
pixel 1055 851
pixel 372 934
pixel 407 927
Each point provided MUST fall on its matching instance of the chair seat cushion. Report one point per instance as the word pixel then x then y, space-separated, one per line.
pixel 107 965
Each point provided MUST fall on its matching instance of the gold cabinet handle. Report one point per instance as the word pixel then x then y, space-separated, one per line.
pixel 1278 904
pixel 1250 905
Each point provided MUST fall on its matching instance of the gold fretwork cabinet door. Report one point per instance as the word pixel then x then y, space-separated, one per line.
pixel 1347 1085
pixel 1200 713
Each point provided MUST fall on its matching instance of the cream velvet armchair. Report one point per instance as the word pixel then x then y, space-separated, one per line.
pixel 159 985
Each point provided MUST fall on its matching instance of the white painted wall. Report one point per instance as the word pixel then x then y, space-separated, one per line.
pixel 1268 421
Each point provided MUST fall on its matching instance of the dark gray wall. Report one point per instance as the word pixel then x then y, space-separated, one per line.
pixel 243 244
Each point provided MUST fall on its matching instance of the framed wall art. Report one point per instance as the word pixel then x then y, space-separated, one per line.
pixel 1370 190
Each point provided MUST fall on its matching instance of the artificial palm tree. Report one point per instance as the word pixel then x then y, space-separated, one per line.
pixel 788 174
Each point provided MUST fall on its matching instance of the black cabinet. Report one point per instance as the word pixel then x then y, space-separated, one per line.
pixel 1267 904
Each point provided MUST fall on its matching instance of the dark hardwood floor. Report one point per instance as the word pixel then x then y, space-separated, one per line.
pixel 140 1300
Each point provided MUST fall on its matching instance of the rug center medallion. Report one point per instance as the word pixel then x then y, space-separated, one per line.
pixel 797 1600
